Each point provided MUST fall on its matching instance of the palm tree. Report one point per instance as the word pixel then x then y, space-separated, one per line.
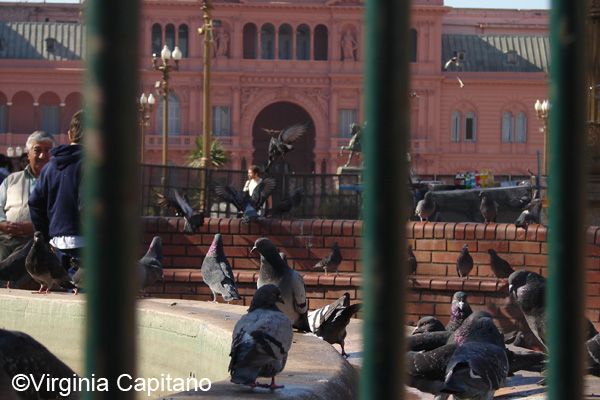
pixel 219 156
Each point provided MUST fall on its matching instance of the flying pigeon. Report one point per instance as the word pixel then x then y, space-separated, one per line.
pixel 282 144
pixel 217 273
pixel 332 260
pixel 427 325
pixel 459 311
pixel 261 340
pixel 412 261
pixel 426 207
pixel 249 205
pixel 460 82
pixel 455 61
pixel 330 322
pixel 43 265
pixel 531 214
pixel 193 219
pixel 20 354
pixel 169 204
pixel 287 204
pixel 500 267
pixel 273 270
pixel 488 207
pixel 12 268
pixel 464 262
pixel 528 289
pixel 150 265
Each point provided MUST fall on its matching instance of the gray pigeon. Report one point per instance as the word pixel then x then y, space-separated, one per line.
pixel 464 262
pixel 20 354
pixel 531 214
pixel 488 208
pixel 459 311
pixel 330 322
pixel 426 207
pixel 332 260
pixel 150 265
pixel 274 270
pixel 428 324
pixel 248 205
pixel 43 266
pixel 412 262
pixel 528 289
pixel 288 203
pixel 261 340
pixel 282 143
pixel 193 220
pixel 478 367
pixel 217 273
pixel 500 267
pixel 12 268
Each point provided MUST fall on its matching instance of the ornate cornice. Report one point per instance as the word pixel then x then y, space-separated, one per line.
pixel 270 80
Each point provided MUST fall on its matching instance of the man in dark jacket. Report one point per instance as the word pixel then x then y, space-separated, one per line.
pixel 56 202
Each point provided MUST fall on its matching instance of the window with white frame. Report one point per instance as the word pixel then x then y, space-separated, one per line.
pixel 507 127
pixel 50 119
pixel 455 126
pixel 521 127
pixel 221 121
pixel 514 129
pixel 470 127
pixel 346 117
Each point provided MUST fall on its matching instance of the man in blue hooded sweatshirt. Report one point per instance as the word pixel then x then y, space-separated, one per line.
pixel 57 200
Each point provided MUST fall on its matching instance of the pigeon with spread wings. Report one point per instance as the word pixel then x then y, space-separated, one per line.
pixel 282 143
pixel 249 205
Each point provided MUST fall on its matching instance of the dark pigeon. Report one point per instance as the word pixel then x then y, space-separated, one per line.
pixel 528 289
pixel 217 273
pixel 288 203
pixel 282 143
pixel 261 340
pixel 332 260
pixel 273 270
pixel 459 311
pixel 150 265
pixel 12 268
pixel 169 204
pixel 243 202
pixel 464 262
pixel 193 220
pixel 426 207
pixel 20 354
pixel 78 277
pixel 412 262
pixel 531 214
pixel 43 266
pixel 427 325
pixel 330 322
pixel 428 340
pixel 462 333
pixel 500 267
pixel 488 207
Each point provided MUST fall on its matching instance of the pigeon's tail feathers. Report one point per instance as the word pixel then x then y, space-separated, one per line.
pixel 452 386
pixel 350 311
pixel 64 283
pixel 302 323
pixel 230 292
pixel 244 376
pixel 192 224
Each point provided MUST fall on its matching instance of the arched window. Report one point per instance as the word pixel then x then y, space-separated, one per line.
pixel 412 45
pixel 50 119
pixel 470 127
pixel 250 41
pixel 182 40
pixel 174 125
pixel 303 42
pixel 170 36
pixel 3 128
pixel 521 128
pixel 321 43
pixel 285 42
pixel 156 39
pixel 507 127
pixel 267 42
pixel 455 126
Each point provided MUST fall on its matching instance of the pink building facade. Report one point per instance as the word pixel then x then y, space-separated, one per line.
pixel 277 64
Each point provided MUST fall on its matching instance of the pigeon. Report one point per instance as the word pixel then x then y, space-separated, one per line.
pixel 78 277
pixel 427 369
pixel 412 261
pixel 287 204
pixel 528 289
pixel 330 322
pixel 169 204
pixel 193 219
pixel 462 333
pixel 488 207
pixel 455 61
pixel 282 144
pixel 464 262
pixel 459 311
pixel 531 214
pixel 460 82
pixel 332 260
pixel 428 324
pixel 274 270
pixel 43 266
pixel 428 340
pixel 20 354
pixel 500 267
pixel 248 205
pixel 217 273
pixel 150 265
pixel 261 340
pixel 478 367
pixel 426 207
pixel 12 268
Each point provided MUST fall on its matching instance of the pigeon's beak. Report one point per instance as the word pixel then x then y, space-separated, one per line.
pixel 511 289
pixel 253 249
pixel 414 332
pixel 461 304
pixel 280 300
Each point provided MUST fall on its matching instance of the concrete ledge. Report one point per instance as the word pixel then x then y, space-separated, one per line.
pixel 182 338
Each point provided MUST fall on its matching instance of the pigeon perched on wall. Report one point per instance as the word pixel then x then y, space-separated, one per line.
pixel 426 207
pixel 288 203
pixel 281 141
pixel 427 325
pixel 528 289
pixel 459 311
pixel 464 262
pixel 500 267
pixel 217 273
pixel 43 266
pixel 273 270
pixel 261 340
pixel 12 268
pixel 488 208
pixel 531 214
pixel 332 260
pixel 20 354
pixel 150 265
pixel 412 262
pixel 243 202
pixel 330 322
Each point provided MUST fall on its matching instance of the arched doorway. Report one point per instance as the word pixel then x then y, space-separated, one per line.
pixel 278 116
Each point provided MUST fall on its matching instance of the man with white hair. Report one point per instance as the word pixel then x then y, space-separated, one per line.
pixel 16 228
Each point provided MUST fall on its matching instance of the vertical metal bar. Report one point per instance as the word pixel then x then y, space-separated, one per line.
pixel 567 200
pixel 385 210
pixel 111 181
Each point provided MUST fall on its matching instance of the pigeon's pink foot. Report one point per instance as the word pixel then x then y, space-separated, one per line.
pixel 8 284
pixel 273 386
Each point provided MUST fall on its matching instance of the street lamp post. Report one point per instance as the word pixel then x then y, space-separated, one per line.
pixel 146 108
pixel 542 110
